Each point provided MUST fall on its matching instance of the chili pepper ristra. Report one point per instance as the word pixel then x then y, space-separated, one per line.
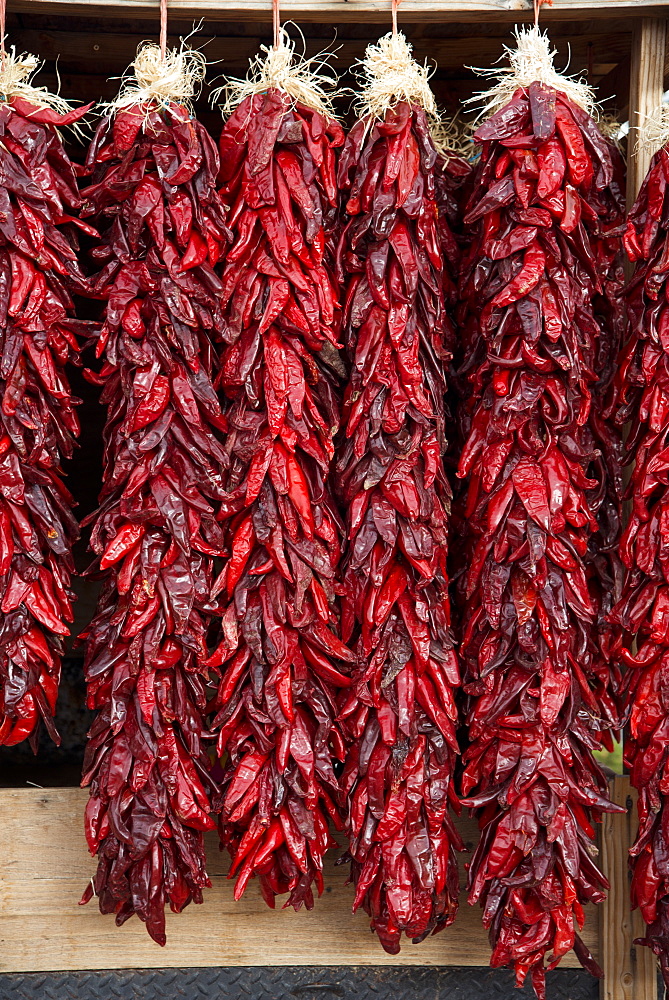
pixel 400 714
pixel 642 396
pixel 542 690
pixel 39 331
pixel 279 655
pixel 153 194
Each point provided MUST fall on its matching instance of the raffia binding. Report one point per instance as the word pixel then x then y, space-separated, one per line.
pixel 453 137
pixel 153 81
pixel 531 61
pixel 311 82
pixel 390 75
pixel 653 131
pixel 15 81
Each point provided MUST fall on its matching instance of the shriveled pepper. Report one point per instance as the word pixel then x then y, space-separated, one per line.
pixel 642 402
pixel 278 653
pixel 390 473
pixel 155 536
pixel 540 515
pixel 39 337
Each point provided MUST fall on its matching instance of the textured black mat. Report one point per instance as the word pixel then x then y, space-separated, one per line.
pixel 352 983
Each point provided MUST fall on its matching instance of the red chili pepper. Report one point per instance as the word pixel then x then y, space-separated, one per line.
pixel 38 421
pixel 540 519
pixel 643 608
pixel 390 473
pixel 282 660
pixel 155 533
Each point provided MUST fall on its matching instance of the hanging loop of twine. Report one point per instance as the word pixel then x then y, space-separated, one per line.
pixel 3 20
pixel 538 4
pixel 163 28
pixel 395 5
pixel 276 24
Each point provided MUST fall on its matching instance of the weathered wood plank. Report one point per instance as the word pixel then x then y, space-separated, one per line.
pixel 630 973
pixel 649 44
pixel 112 51
pixel 328 11
pixel 44 867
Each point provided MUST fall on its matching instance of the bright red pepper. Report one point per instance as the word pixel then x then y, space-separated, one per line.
pixel 540 514
pixel 278 654
pixel 155 533
pixel 38 424
pixel 390 473
pixel 642 399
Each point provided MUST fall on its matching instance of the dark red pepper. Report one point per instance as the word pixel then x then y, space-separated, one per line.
pixel 540 329
pixel 154 194
pixel 400 715
pixel 39 332
pixel 279 654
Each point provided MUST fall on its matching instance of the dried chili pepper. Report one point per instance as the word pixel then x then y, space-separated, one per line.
pixel 280 659
pixel 39 272
pixel 642 385
pixel 155 535
pixel 400 714
pixel 542 690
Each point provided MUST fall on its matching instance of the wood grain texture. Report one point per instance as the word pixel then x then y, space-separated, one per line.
pixel 112 51
pixel 44 867
pixel 649 44
pixel 327 11
pixel 630 972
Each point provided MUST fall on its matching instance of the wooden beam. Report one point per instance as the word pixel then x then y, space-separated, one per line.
pixel 329 11
pixel 111 51
pixel 649 43
pixel 630 972
pixel 44 867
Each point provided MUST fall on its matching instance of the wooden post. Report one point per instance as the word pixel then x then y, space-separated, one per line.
pixel 630 972
pixel 649 42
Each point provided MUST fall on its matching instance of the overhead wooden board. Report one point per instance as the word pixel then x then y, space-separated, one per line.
pixel 327 11
pixel 44 868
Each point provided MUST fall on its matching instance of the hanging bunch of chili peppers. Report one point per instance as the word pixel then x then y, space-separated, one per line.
pixel 642 389
pixel 39 272
pixel 542 691
pixel 153 194
pixel 400 713
pixel 279 655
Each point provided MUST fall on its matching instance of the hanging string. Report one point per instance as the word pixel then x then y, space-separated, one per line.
pixel 163 28
pixel 395 5
pixel 276 23
pixel 538 4
pixel 3 18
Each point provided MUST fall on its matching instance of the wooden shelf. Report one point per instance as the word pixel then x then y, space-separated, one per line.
pixel 45 866
pixel 328 11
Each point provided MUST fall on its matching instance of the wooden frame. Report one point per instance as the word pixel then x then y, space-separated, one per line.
pixel 345 10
